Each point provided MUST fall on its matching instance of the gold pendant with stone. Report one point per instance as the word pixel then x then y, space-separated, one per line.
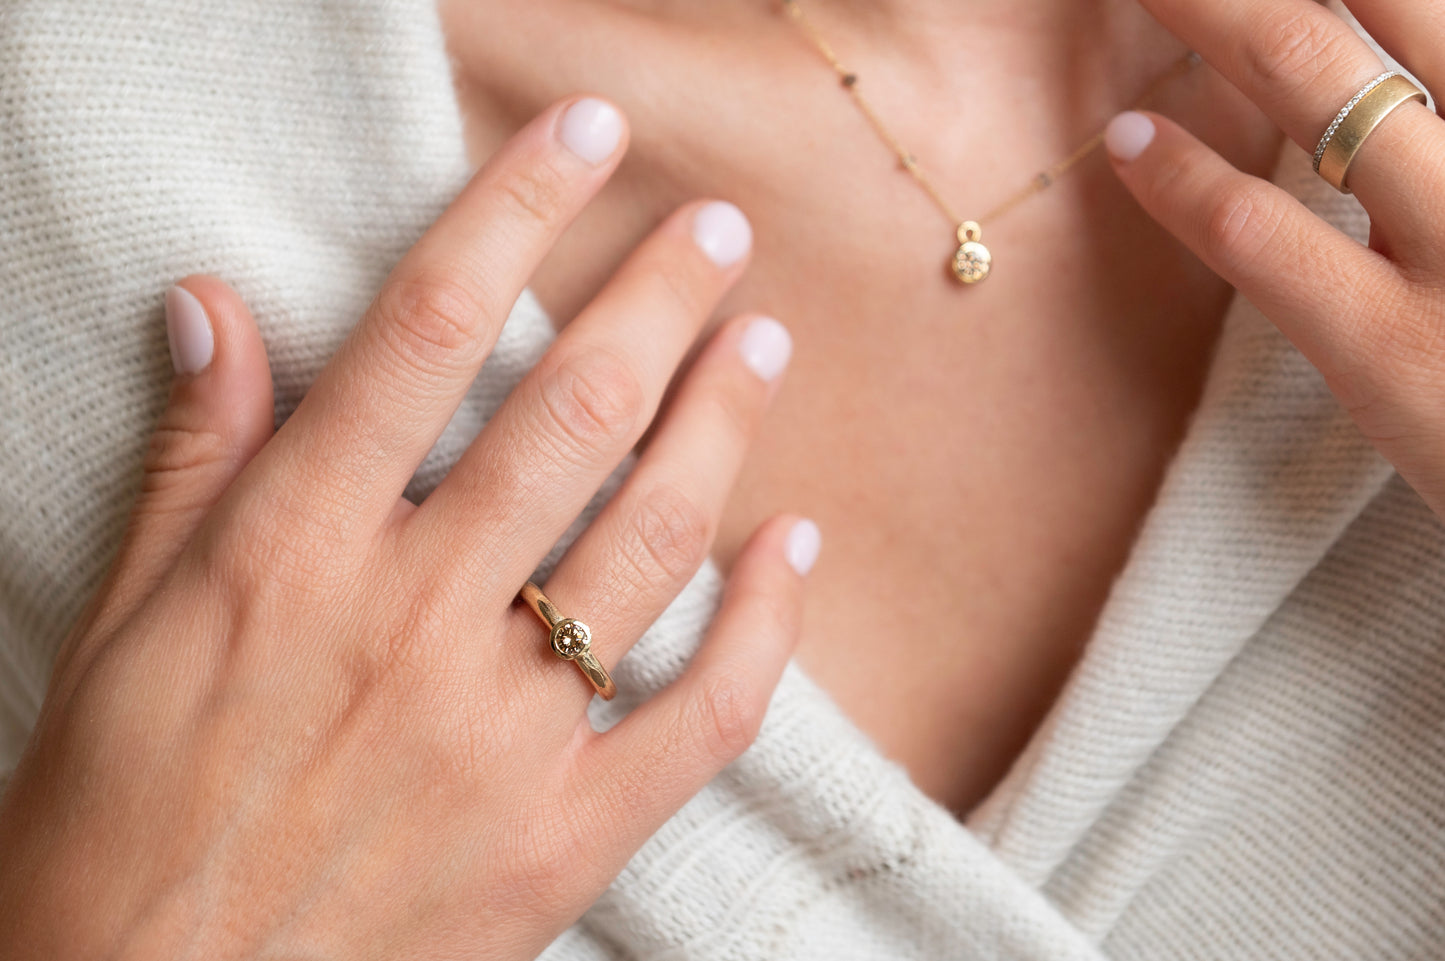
pixel 972 261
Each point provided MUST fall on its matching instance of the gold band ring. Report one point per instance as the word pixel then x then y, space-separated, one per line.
pixel 1357 120
pixel 571 640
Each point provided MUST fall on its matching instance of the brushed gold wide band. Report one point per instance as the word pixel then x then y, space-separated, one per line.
pixel 1354 124
pixel 570 639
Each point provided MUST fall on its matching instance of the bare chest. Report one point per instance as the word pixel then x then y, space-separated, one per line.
pixel 979 458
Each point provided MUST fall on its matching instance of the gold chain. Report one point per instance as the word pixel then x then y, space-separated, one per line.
pixel 972 261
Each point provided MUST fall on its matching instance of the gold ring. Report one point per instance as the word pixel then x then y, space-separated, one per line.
pixel 1357 120
pixel 571 640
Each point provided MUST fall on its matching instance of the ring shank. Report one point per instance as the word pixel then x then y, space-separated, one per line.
pixel 540 604
pixel 597 675
pixel 1357 125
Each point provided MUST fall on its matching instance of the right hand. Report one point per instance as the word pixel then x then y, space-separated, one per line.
pixel 305 718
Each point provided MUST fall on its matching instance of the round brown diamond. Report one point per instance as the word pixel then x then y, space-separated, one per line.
pixel 570 638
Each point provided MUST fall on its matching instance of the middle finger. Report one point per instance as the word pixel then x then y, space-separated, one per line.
pixel 1301 63
pixel 382 400
pixel 570 421
pixel 1413 32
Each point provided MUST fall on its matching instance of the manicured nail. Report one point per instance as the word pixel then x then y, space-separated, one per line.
pixel 766 347
pixel 591 129
pixel 722 232
pixel 188 330
pixel 804 540
pixel 1128 134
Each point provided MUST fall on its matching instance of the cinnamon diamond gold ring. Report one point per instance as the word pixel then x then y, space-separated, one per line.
pixel 570 639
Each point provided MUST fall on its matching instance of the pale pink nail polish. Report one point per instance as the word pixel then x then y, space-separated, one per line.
pixel 802 546
pixel 1128 135
pixel 591 129
pixel 188 330
pixel 766 347
pixel 722 232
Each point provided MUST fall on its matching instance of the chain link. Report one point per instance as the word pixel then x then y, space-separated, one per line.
pixel 1040 181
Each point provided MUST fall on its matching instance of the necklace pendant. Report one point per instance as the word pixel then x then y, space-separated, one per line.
pixel 972 261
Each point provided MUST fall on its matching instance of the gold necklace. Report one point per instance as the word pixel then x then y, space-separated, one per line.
pixel 972 261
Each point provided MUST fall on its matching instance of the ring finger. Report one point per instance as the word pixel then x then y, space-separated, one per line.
pixel 1301 63
pixel 649 540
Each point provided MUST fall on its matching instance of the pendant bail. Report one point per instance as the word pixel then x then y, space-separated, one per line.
pixel 968 231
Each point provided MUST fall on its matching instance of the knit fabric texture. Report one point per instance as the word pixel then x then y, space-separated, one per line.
pixel 1248 763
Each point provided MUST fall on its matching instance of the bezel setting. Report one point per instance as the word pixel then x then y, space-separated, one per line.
pixel 570 639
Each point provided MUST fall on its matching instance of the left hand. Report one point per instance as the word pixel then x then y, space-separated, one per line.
pixel 1372 319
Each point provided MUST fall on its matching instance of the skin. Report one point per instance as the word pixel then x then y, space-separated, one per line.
pixel 984 448
pixel 248 734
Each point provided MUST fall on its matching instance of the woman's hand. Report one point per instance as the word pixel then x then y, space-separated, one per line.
pixel 1372 319
pixel 305 718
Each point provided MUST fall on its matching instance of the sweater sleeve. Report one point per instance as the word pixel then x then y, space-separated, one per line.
pixel 294 149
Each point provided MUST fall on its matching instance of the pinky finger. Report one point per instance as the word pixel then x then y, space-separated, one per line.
pixel 640 772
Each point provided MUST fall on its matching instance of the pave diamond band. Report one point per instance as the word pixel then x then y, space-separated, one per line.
pixel 1355 122
pixel 1345 112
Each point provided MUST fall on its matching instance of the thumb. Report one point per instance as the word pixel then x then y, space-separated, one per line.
pixel 219 415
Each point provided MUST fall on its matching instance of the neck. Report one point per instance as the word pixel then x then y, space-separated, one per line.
pixel 1096 49
pixel 952 18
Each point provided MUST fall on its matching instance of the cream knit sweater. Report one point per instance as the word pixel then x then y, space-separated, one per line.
pixel 1249 763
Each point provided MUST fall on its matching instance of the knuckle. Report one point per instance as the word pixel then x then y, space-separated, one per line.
pixel 729 717
pixel 590 398
pixel 680 285
pixel 173 453
pixel 429 320
pixel 257 565
pixel 275 548
pixel 666 537
pixel 1243 221
pixel 738 401
pixel 1293 48
pixel 536 191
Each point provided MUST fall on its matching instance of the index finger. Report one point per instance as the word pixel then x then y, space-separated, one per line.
pixel 381 402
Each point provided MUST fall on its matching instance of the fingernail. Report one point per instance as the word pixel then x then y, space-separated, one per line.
pixel 1128 134
pixel 188 330
pixel 591 129
pixel 804 540
pixel 722 232
pixel 766 347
